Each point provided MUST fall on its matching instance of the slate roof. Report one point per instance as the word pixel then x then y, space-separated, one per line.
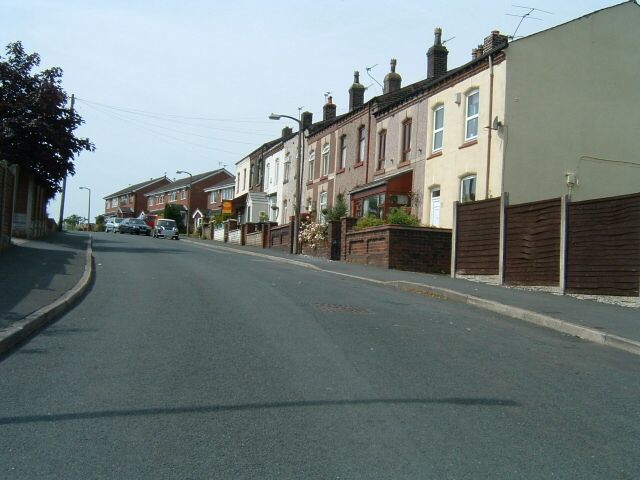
pixel 184 182
pixel 134 188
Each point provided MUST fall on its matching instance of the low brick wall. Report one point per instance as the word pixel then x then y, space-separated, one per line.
pixel 321 250
pixel 416 249
pixel 254 239
pixel 280 237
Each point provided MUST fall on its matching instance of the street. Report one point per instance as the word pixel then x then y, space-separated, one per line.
pixel 191 362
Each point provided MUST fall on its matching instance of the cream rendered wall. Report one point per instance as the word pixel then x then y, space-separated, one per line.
pixel 393 124
pixel 273 185
pixel 446 170
pixel 242 173
pixel 573 96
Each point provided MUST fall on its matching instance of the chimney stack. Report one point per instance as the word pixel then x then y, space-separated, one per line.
pixel 286 132
pixel 329 109
pixel 494 41
pixel 480 50
pixel 356 92
pixel 474 54
pixel 437 57
pixel 307 120
pixel 393 80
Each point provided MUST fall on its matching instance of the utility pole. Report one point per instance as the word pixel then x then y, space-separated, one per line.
pixel 64 180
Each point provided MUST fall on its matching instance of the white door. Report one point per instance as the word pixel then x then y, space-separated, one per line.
pixel 435 207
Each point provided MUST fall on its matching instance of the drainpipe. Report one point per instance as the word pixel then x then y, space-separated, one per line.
pixel 366 166
pixel 486 191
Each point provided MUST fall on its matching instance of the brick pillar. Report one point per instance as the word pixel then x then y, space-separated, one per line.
pixel 292 221
pixel 243 234
pixel 334 239
pixel 346 225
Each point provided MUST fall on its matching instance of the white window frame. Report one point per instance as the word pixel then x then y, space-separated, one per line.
pixel 325 160
pixel 184 194
pixel 472 117
pixel 433 190
pixel 311 165
pixel 287 168
pixel 276 172
pixel 268 174
pixel 464 179
pixel 343 152
pixel 362 143
pixel 436 130
pixel 323 201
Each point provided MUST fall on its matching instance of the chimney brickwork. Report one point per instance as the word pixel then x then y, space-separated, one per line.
pixel 494 40
pixel 437 57
pixel 392 80
pixel 329 109
pixel 356 92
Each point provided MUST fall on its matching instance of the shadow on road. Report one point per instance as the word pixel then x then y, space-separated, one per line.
pixel 62 417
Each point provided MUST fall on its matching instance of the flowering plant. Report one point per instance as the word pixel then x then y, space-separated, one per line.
pixel 311 233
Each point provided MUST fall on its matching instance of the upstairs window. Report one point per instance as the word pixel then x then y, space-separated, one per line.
pixel 150 203
pixel 173 196
pixel 406 139
pixel 438 128
pixel 362 143
pixel 382 147
pixel 473 107
pixel 468 189
pixel 227 194
pixel 343 152
pixel 287 169
pixel 312 162
pixel 325 160
pixel 276 172
pixel 268 174
pixel 184 194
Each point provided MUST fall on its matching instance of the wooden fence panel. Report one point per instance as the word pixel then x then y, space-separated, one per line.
pixel 532 243
pixel 603 246
pixel 478 237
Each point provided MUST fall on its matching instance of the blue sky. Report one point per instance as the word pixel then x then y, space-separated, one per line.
pixel 168 85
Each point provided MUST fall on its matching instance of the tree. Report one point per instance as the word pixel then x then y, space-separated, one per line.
pixel 72 221
pixel 338 211
pixel 173 211
pixel 36 127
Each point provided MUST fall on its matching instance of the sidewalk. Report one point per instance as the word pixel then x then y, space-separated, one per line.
pixel 598 322
pixel 38 280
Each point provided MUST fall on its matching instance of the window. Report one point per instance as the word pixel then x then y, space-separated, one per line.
pixel 268 175
pixel 435 207
pixel 362 143
pixel 287 168
pixel 252 179
pixel 114 202
pixel 160 199
pixel 244 179
pixel 238 184
pixel 343 152
pixel 273 208
pixel 468 189
pixel 382 146
pixel 227 194
pixel 374 206
pixel 123 200
pixel 173 196
pixel 276 172
pixel 438 128
pixel 150 203
pixel 325 160
pixel 184 194
pixel 312 161
pixel 473 106
pixel 323 206
pixel 406 139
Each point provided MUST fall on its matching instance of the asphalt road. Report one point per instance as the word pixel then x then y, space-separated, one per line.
pixel 186 362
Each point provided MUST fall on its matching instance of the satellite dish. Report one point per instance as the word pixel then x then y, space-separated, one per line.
pixel 496 123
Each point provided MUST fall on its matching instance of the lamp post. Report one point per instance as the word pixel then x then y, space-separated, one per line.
pixel 179 172
pixel 298 193
pixel 89 210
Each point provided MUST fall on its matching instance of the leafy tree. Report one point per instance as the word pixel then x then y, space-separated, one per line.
pixel 174 212
pixel 100 223
pixel 72 221
pixel 36 127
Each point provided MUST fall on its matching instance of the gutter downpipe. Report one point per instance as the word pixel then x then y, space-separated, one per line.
pixel 486 190
pixel 366 166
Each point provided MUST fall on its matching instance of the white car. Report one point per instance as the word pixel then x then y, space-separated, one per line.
pixel 166 228
pixel 112 224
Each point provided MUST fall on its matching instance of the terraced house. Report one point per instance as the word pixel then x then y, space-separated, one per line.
pixel 131 201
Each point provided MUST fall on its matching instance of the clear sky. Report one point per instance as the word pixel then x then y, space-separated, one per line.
pixel 188 85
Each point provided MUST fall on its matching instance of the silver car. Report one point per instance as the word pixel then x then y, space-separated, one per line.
pixel 166 228
pixel 112 225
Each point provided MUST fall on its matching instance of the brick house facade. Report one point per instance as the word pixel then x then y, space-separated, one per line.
pixel 131 201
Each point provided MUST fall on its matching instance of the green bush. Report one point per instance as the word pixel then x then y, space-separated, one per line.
pixel 369 221
pixel 397 216
pixel 338 211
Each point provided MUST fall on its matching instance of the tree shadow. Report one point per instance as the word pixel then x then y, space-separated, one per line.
pixel 214 409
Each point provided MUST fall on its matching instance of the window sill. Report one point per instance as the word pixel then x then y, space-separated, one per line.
pixel 468 144
pixel 379 172
pixel 340 171
pixel 435 154
pixel 404 164
pixel 359 164
pixel 309 182
pixel 323 177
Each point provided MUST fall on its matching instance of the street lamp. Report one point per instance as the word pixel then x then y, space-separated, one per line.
pixel 89 210
pixel 299 167
pixel 179 172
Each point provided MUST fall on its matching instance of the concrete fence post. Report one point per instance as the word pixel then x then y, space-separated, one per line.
pixel 564 234
pixel 504 203
pixel 454 239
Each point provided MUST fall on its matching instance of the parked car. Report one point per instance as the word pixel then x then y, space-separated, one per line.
pixel 134 226
pixel 166 228
pixel 112 224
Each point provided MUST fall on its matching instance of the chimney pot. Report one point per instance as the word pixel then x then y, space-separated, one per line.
pixel 437 57
pixel 356 92
pixel 392 80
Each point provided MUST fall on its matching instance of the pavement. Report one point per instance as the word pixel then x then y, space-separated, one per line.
pixel 40 280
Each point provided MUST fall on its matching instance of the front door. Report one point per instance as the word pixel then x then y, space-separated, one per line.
pixel 435 207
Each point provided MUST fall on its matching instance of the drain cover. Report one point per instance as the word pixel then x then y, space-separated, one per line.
pixel 331 307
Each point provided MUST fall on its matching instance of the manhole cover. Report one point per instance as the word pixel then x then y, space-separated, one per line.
pixel 331 307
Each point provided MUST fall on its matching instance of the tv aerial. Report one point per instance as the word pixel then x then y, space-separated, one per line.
pixel 525 16
pixel 368 70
